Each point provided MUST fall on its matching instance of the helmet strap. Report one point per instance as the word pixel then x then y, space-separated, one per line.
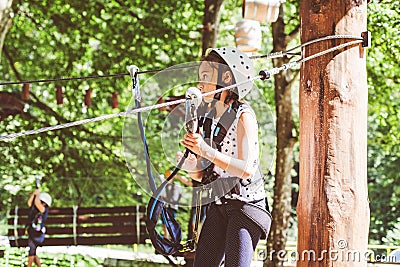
pixel 217 96
pixel 220 82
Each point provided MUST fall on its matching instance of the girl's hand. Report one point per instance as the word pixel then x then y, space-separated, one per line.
pixel 195 143
pixel 190 162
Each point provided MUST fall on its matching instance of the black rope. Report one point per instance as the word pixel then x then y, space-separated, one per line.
pixel 271 55
pixel 95 76
pixel 62 79
pixel 66 79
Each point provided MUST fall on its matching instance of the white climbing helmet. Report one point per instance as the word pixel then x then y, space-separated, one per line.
pixel 46 198
pixel 241 66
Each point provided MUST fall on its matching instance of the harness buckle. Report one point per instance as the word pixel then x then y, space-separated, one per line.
pixel 209 178
pixel 245 182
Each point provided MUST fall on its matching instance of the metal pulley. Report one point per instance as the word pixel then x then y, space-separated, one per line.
pixel 193 101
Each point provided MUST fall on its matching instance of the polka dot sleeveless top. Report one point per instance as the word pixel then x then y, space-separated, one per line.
pixel 251 189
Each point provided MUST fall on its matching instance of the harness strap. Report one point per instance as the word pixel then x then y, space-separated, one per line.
pixel 195 234
pixel 156 207
pixel 217 136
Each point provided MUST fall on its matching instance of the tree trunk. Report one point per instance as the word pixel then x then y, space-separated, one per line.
pixel 281 208
pixel 333 209
pixel 5 20
pixel 210 23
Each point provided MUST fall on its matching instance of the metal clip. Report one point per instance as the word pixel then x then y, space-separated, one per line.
pixel 366 39
pixel 133 70
pixel 193 101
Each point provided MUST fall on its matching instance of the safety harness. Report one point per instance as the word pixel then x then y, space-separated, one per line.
pixel 156 207
pixel 215 138
pixel 219 188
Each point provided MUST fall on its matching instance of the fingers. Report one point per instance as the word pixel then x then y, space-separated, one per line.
pixel 192 157
pixel 192 136
pixel 187 144
pixel 190 162
pixel 179 156
pixel 191 139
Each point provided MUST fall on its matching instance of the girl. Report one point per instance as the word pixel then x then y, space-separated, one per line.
pixel 39 203
pixel 227 163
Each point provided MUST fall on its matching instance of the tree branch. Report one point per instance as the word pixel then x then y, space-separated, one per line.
pixel 122 4
pixel 292 35
pixel 12 64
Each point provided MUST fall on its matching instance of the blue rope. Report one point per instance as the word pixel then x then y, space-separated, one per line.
pixel 157 194
pixel 156 191
pixel 136 88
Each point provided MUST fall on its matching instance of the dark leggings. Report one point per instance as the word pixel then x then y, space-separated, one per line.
pixel 33 243
pixel 227 232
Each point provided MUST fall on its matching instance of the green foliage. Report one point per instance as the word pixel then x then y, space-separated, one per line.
pixel 84 165
pixel 384 118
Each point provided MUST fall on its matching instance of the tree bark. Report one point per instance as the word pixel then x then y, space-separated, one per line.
pixel 333 208
pixel 5 20
pixel 10 105
pixel 281 208
pixel 210 23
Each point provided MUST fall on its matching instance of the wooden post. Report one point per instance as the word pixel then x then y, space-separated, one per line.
pixel 333 208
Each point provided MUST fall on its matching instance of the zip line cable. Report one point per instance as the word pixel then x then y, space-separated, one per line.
pixel 330 37
pixel 289 51
pixel 330 50
pixel 264 74
pixel 267 56
pixel 93 76
pixel 120 114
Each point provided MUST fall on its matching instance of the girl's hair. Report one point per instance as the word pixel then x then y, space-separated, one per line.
pixel 213 57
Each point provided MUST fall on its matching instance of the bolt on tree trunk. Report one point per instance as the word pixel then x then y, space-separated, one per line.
pixel 333 208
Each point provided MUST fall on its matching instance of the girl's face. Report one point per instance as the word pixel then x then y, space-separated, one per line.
pixel 208 77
